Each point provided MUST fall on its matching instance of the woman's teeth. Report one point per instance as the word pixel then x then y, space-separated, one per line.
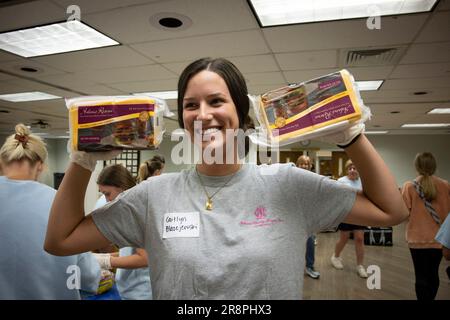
pixel 210 131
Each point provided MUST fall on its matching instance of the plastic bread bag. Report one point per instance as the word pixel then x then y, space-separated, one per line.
pixel 103 123
pixel 308 110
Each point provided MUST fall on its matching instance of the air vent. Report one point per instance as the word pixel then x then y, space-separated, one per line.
pixel 371 57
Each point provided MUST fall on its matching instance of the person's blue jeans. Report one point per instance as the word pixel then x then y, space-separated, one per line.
pixel 310 252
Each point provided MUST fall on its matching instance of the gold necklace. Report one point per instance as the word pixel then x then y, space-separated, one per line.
pixel 209 203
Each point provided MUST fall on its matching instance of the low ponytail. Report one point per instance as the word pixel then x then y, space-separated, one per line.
pixel 425 164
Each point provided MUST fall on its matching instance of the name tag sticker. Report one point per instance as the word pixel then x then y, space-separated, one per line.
pixel 181 225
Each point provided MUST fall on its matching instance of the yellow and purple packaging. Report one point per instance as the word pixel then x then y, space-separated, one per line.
pixel 103 123
pixel 310 109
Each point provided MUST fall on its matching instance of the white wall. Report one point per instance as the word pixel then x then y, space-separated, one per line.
pixel 398 151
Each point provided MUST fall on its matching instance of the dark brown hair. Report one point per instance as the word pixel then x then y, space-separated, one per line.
pixel 149 167
pixel 116 175
pixel 234 80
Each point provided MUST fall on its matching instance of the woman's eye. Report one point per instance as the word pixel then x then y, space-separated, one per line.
pixel 190 106
pixel 216 102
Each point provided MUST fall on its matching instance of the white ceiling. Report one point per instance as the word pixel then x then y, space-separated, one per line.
pixel 151 58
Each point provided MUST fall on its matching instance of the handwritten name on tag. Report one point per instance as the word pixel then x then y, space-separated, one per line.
pixel 181 225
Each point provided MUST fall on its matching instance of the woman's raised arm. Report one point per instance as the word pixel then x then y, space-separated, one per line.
pixel 380 203
pixel 69 231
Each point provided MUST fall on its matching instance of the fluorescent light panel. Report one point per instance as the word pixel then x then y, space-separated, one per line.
pixel 426 125
pixel 279 12
pixel 55 38
pixel 27 96
pixel 369 85
pixel 376 132
pixel 166 95
pixel 439 111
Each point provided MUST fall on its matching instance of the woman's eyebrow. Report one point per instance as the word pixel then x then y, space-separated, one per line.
pixel 212 95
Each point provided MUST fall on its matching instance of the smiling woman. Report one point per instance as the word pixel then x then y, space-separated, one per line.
pixel 248 242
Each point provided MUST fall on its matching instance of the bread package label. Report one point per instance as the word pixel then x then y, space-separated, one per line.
pixel 298 109
pixel 107 123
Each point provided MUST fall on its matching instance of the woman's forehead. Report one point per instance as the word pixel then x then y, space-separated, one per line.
pixel 205 83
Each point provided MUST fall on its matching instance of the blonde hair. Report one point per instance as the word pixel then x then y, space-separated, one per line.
pixel 303 159
pixel 149 167
pixel 348 164
pixel 23 145
pixel 425 164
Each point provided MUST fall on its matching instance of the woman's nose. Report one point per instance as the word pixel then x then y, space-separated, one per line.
pixel 204 112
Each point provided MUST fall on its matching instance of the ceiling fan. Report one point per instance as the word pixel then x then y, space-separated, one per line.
pixel 40 124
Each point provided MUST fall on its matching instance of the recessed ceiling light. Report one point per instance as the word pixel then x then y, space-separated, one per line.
pixel 54 38
pixel 276 12
pixel 369 85
pixel 28 69
pixel 27 96
pixel 170 21
pixel 426 125
pixel 166 95
pixel 439 111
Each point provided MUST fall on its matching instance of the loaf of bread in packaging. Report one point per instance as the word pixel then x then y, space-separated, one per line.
pixel 103 123
pixel 292 111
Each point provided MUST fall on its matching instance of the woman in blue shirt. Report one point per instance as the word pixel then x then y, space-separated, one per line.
pixel 26 270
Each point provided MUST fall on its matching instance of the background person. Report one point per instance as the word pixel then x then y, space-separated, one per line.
pixel 26 270
pixel 428 199
pixel 351 179
pixel 132 275
pixel 304 162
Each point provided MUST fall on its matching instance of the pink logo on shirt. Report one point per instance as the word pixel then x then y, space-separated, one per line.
pixel 260 213
pixel 262 219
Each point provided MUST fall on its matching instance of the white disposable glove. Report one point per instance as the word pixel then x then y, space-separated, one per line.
pixel 344 137
pixel 104 260
pixel 88 160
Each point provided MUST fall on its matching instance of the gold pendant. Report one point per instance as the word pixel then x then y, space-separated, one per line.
pixel 209 204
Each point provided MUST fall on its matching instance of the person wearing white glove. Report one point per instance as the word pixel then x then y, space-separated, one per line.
pixel 252 231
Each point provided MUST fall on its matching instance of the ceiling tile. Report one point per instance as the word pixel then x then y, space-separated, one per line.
pixel 437 29
pixel 255 63
pixel 417 83
pixel 132 25
pixel 102 58
pixel 344 34
pixel 145 86
pixel 264 78
pixel 89 6
pixel 427 70
pixel 15 66
pixel 30 14
pixel 427 53
pixel 140 73
pixel 307 60
pixel 217 45
pixel 305 75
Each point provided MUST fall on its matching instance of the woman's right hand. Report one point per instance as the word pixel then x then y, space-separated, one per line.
pixel 88 160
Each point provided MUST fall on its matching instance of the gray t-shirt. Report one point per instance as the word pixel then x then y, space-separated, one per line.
pixel 250 246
